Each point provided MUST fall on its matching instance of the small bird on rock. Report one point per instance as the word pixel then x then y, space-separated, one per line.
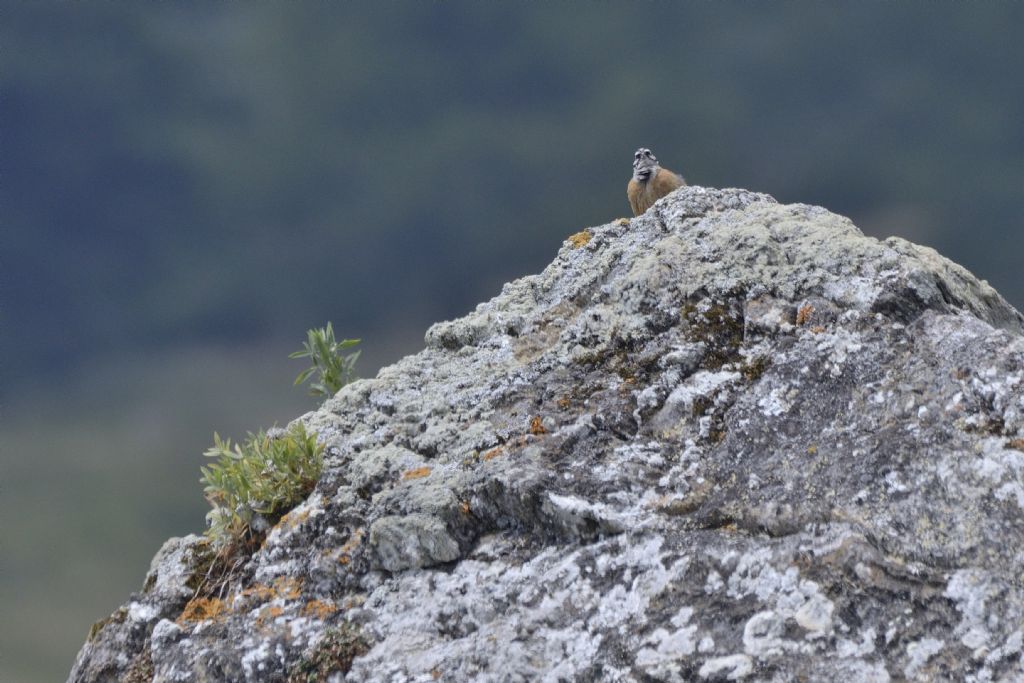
pixel 650 181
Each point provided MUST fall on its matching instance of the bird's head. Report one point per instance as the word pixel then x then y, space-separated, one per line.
pixel 644 165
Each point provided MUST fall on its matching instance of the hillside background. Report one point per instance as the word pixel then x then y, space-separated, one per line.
pixel 187 188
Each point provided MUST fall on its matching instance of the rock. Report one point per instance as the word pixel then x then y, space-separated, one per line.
pixel 412 541
pixel 726 440
pixel 120 643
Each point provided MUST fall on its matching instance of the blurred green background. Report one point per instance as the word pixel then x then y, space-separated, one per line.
pixel 187 187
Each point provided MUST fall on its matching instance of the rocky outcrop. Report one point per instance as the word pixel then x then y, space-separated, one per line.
pixel 726 440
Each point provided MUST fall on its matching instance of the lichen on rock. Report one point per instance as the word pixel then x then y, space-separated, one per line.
pixel 728 439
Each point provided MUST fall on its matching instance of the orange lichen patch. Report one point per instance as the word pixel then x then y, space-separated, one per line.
pixel 493 453
pixel 294 518
pixel 1017 444
pixel 351 544
pixel 258 593
pixel 817 329
pixel 417 473
pixel 537 426
pixel 201 609
pixel 287 587
pixel 464 507
pixel 564 402
pixel 269 613
pixel 803 314
pixel 318 609
pixel 283 587
pixel 579 239
pixel 812 449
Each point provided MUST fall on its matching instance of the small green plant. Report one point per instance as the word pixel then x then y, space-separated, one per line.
pixel 336 369
pixel 266 475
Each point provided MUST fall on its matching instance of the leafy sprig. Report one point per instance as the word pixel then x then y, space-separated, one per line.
pixel 335 368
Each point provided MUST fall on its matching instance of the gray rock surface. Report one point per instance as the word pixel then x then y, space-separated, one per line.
pixel 726 440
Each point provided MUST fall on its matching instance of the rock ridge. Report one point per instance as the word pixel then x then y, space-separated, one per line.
pixel 728 439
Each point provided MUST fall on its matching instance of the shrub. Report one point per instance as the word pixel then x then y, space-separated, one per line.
pixel 336 369
pixel 266 476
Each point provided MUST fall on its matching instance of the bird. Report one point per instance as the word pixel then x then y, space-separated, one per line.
pixel 650 182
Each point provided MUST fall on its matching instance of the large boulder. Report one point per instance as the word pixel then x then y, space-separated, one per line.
pixel 726 440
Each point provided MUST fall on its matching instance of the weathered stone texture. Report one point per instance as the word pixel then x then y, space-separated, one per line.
pixel 728 439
